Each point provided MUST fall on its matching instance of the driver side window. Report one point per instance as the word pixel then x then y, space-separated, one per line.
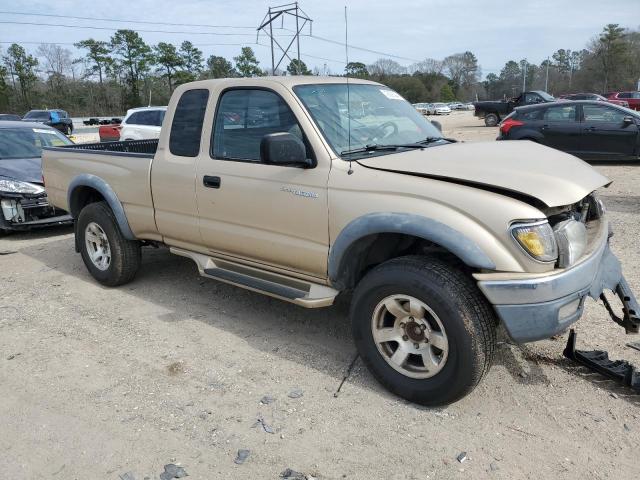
pixel 244 117
pixel 530 98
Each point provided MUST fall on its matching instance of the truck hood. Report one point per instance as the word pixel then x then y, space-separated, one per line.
pixel 523 167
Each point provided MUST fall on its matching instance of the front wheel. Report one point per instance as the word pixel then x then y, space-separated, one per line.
pixel 491 120
pixel 110 258
pixel 423 329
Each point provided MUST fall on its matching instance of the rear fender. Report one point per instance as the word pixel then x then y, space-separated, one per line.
pixel 100 186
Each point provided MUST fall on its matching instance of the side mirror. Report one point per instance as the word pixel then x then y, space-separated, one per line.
pixel 284 149
pixel 628 120
pixel 437 124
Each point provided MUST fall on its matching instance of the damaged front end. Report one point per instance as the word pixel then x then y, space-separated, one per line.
pixel 24 206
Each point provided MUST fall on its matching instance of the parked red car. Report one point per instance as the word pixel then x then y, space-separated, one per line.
pixel 109 133
pixel 632 98
pixel 594 96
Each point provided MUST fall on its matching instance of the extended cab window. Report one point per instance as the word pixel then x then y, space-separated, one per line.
pixel 565 113
pixel 186 128
pixel 244 117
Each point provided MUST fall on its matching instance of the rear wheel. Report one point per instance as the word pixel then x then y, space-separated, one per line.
pixel 491 120
pixel 423 329
pixel 110 258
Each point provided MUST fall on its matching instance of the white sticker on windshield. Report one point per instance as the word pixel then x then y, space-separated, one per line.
pixel 391 94
pixel 42 130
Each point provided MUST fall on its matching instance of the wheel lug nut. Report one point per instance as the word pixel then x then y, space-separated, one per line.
pixel 416 345
pixel 405 338
pixel 402 324
pixel 411 319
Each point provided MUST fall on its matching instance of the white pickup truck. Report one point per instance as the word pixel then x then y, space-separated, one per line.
pixel 304 187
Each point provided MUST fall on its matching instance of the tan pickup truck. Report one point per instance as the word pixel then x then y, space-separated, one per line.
pixel 305 187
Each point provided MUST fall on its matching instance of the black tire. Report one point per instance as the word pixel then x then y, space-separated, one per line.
pixel 491 120
pixel 468 319
pixel 124 254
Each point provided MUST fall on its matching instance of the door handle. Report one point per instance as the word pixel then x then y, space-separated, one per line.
pixel 211 182
pixel 590 129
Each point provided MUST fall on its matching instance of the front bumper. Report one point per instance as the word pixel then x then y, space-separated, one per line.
pixel 535 307
pixel 25 212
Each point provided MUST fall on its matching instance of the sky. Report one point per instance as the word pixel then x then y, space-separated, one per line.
pixel 494 30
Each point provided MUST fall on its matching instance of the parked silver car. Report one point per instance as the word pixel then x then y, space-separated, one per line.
pixel 441 109
pixel 425 108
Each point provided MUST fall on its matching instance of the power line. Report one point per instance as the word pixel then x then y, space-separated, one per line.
pixel 377 52
pixel 341 62
pixel 354 47
pixel 125 21
pixel 93 27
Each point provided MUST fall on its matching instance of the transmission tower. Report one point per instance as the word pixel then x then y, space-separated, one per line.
pixel 266 26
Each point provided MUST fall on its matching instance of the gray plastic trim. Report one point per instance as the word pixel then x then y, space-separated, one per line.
pixel 98 184
pixel 409 224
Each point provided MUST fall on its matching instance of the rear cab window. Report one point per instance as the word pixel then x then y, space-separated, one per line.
pixel 186 129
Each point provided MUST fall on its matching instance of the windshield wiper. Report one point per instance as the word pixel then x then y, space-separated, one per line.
pixel 376 148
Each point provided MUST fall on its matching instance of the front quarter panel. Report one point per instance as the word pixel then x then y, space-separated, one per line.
pixel 480 217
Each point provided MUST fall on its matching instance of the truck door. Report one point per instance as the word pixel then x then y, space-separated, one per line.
pixel 267 214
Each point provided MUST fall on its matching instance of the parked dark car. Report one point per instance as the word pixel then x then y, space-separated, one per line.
pixel 494 111
pixel 593 96
pixel 9 117
pixel 591 130
pixel 58 119
pixel 23 200
pixel 632 98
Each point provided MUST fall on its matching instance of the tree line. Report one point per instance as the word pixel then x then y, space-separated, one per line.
pixel 126 72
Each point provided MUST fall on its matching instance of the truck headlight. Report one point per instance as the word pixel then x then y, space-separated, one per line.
pixel 14 186
pixel 571 237
pixel 537 239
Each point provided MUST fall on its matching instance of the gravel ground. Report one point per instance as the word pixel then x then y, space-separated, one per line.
pixel 98 382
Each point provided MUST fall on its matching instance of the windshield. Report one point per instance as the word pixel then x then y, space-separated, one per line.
pixel 377 115
pixel 28 142
pixel 37 115
pixel 546 96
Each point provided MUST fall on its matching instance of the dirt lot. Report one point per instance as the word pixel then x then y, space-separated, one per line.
pixel 171 368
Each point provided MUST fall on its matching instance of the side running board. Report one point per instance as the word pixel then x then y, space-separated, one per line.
pixel 598 361
pixel 301 292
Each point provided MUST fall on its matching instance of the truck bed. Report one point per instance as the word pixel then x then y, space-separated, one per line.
pixel 141 148
pixel 125 167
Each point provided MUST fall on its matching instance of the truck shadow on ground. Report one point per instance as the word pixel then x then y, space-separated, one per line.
pixel 316 338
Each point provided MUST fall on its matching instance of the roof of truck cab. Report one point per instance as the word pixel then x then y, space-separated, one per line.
pixel 287 81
